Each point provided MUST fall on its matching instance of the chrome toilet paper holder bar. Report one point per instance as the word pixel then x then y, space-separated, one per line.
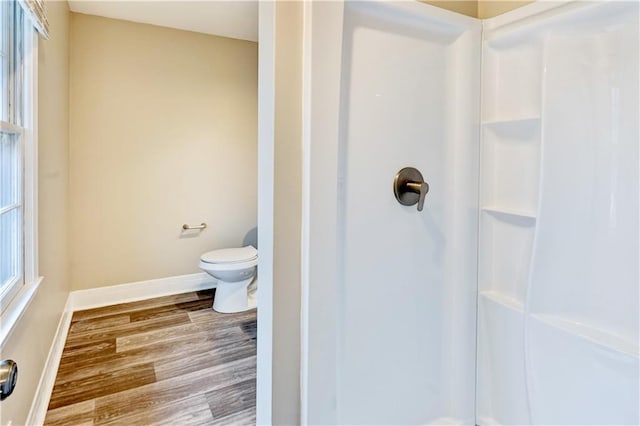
pixel 187 227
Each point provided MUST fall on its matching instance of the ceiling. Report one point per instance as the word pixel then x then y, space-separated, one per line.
pixel 234 19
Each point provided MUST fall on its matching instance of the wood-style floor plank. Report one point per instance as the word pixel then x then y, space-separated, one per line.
pixel 177 334
pixel 186 348
pixel 137 306
pixel 136 401
pixel 93 324
pixel 128 329
pixel 177 366
pixel 86 351
pixel 232 399
pixel 80 413
pixel 245 417
pixel 160 311
pixel 211 317
pixel 193 411
pixel 170 360
pixel 85 389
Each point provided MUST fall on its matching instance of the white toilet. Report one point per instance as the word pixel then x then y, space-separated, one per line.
pixel 235 270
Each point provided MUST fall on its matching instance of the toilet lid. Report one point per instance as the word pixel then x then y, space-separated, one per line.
pixel 230 255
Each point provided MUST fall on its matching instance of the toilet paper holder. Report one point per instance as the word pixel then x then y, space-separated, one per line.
pixel 187 227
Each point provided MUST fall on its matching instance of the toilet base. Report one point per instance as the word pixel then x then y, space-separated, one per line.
pixel 232 297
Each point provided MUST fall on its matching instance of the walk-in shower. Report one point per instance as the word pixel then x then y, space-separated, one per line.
pixel 512 297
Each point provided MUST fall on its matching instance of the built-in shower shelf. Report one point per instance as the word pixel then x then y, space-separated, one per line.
pixel 509 212
pixel 598 336
pixel 593 334
pixel 523 123
pixel 503 300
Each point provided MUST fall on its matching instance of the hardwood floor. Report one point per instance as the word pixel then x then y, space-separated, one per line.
pixel 165 361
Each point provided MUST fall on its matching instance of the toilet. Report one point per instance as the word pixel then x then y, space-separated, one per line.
pixel 235 269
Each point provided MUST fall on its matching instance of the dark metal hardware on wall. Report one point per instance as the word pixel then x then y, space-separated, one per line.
pixel 410 188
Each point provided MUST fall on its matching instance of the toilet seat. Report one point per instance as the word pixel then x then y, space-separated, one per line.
pixel 233 266
pixel 231 256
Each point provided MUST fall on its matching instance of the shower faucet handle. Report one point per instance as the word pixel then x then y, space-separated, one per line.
pixel 420 188
pixel 410 188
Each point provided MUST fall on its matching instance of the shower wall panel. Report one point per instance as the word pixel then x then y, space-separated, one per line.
pixel 407 278
pixel 558 281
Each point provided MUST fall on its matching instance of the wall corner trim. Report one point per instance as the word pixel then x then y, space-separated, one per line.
pixel 139 290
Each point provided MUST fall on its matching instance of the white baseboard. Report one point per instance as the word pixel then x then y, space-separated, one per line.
pixel 99 297
pixel 38 410
pixel 140 290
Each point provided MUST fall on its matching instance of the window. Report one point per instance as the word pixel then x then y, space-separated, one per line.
pixel 17 153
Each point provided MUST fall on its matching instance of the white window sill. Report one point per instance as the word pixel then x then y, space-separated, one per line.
pixel 11 316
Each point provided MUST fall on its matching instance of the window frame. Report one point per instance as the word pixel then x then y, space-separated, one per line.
pixel 15 300
pixel 9 291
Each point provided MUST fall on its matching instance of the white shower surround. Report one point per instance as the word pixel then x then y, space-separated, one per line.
pixel 558 271
pixel 546 242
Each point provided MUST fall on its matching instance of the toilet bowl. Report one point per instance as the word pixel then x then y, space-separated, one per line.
pixel 235 270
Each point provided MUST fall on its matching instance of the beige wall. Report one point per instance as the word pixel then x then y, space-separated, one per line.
pixel 491 8
pixel 30 342
pixel 479 8
pixel 163 132
pixel 469 8
pixel 288 210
